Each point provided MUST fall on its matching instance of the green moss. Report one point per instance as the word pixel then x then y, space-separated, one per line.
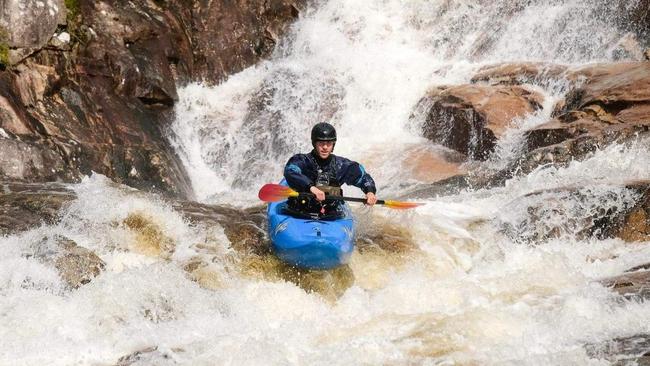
pixel 73 9
pixel 4 48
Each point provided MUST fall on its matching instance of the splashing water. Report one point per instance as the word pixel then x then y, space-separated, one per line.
pixel 472 278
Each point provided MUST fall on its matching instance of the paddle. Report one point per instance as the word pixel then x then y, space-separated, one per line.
pixel 277 192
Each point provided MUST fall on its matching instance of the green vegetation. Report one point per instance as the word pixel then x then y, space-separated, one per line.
pixel 73 9
pixel 4 48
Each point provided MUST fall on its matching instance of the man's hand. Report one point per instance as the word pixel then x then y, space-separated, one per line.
pixel 370 198
pixel 320 195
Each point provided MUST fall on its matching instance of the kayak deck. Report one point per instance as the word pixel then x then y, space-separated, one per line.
pixel 308 243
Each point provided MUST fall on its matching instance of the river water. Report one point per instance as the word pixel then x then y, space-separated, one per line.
pixel 469 278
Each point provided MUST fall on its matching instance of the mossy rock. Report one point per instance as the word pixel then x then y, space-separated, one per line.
pixel 72 7
pixel 4 48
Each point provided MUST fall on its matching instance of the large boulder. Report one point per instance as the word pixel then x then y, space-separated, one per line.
pixel 27 205
pixel 470 118
pixel 97 93
pixel 28 25
pixel 614 87
pixel 608 103
pixel 76 265
pixel 581 212
pixel 520 73
pixel 228 36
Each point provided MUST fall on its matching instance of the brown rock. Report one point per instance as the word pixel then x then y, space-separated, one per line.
pixel 103 101
pixel 77 266
pixel 519 73
pixel 150 238
pixel 635 285
pixel 469 118
pixel 559 144
pixel 13 118
pixel 626 222
pixel 634 224
pixel 245 229
pixel 613 86
pixel 627 48
pixel 30 162
pixel 148 356
pixel 633 350
pixel 611 105
pixel 27 205
pixel 30 23
pixel 230 36
pixel 638 114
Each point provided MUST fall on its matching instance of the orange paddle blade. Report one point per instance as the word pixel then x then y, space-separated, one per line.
pixel 399 205
pixel 275 192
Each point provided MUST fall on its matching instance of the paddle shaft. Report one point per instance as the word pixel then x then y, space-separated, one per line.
pixel 343 198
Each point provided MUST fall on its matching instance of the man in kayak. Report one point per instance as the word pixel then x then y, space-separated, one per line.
pixel 321 173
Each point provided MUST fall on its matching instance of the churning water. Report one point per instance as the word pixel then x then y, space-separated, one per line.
pixel 473 278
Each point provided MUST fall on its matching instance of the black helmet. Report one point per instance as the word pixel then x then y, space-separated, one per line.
pixel 323 132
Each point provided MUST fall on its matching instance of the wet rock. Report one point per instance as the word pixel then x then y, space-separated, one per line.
pixel 444 187
pixel 30 162
pixel 634 285
pixel 579 212
pixel 96 93
pixel 245 229
pixel 634 224
pixel 77 265
pixel 228 36
pixel 634 350
pixel 520 73
pixel 627 48
pixel 614 87
pixel 560 142
pixel 200 272
pixel 612 104
pixel 469 118
pixel 646 54
pixel 151 239
pixel 385 237
pixel 148 356
pixel 30 23
pixel 430 163
pixel 27 205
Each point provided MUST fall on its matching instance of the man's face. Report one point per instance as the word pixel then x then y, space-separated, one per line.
pixel 324 148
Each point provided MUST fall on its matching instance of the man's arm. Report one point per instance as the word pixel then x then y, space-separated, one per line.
pixel 293 173
pixel 354 174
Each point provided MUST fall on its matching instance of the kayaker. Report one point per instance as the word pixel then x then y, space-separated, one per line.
pixel 322 173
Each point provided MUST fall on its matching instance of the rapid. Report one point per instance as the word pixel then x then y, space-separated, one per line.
pixel 468 278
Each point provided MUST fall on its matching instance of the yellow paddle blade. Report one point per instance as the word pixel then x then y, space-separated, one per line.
pixel 400 205
pixel 275 192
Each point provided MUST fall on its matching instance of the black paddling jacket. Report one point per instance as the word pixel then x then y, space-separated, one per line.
pixel 306 170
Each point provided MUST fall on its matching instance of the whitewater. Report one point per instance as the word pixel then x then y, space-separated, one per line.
pixel 442 284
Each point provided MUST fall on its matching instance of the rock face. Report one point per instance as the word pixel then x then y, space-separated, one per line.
pixel 246 229
pixel 577 212
pixel 605 103
pixel 98 94
pixel 31 22
pixel 469 118
pixel 519 73
pixel 611 104
pixel 77 265
pixel 24 205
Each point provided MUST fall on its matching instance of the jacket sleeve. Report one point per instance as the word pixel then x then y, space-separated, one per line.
pixel 293 173
pixel 354 174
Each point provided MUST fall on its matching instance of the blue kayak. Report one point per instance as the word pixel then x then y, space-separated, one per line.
pixel 310 243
